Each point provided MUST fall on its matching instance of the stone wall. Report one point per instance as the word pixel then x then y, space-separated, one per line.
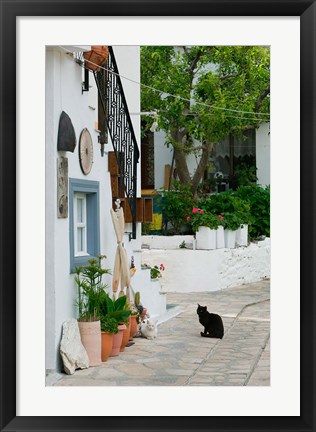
pixel 190 270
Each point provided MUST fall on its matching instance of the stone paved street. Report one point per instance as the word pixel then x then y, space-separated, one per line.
pixel 181 357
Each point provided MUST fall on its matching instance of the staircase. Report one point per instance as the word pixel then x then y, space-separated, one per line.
pixel 118 123
pixel 121 130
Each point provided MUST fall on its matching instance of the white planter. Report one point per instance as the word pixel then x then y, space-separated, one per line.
pixel 205 238
pixel 220 239
pixel 230 239
pixel 242 235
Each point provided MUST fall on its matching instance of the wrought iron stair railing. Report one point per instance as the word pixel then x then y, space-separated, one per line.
pixel 121 130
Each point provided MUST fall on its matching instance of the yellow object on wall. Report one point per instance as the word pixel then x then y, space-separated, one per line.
pixel 156 224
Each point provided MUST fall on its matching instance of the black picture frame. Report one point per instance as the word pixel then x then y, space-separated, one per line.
pixel 306 10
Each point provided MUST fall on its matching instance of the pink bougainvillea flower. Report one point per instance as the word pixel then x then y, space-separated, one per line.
pixel 162 267
pixel 201 211
pixel 195 210
pixel 188 218
pixel 220 216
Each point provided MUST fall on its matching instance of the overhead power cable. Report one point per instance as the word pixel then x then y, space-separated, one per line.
pixel 166 94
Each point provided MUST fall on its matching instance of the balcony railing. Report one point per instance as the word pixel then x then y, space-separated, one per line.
pixel 120 128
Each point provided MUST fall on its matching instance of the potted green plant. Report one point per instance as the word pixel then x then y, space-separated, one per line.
pixel 134 320
pixel 109 327
pixel 155 271
pixel 242 209
pixel 116 309
pixel 220 238
pixel 232 222
pixel 204 224
pixel 91 290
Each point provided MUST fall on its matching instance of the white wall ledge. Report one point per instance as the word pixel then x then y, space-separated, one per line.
pixel 210 270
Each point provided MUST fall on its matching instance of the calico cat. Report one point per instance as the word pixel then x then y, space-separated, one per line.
pixel 212 323
pixel 148 329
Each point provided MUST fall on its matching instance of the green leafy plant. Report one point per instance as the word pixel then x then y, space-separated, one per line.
pixel 182 245
pixel 200 217
pixel 258 199
pixel 245 175
pixel 109 325
pixel 228 203
pixel 155 272
pixel 91 289
pixel 176 204
pixel 146 228
pixel 231 221
pixel 116 309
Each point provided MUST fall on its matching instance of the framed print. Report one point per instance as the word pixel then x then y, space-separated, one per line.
pixel 29 349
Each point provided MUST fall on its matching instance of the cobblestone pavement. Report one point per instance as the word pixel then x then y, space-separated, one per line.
pixel 181 357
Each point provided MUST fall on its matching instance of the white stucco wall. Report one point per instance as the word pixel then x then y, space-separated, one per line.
pixel 210 270
pixel 163 156
pixel 263 154
pixel 63 93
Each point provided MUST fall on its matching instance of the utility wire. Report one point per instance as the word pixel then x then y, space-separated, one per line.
pixel 175 96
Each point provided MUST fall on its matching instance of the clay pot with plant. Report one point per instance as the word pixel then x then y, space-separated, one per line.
pixel 134 321
pixel 126 334
pixel 91 290
pixel 109 328
pixel 116 309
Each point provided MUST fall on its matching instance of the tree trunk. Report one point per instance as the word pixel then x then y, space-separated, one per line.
pixel 181 165
pixel 203 163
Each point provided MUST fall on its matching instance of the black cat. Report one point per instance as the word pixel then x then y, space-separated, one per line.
pixel 212 323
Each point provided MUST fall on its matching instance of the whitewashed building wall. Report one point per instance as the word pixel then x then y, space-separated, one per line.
pixel 63 93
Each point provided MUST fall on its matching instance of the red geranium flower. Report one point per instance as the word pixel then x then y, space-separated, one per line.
pixel 188 218
pixel 220 216
pixel 195 210
pixel 201 211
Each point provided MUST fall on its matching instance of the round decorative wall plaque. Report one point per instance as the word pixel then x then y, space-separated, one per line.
pixel 85 151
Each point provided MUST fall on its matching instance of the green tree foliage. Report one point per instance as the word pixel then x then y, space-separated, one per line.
pixel 202 78
pixel 259 201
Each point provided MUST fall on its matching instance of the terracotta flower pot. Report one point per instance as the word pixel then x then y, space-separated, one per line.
pixel 117 340
pixel 126 334
pixel 96 57
pixel 144 313
pixel 90 333
pixel 106 345
pixel 133 330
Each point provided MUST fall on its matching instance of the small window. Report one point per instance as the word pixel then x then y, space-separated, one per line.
pixel 80 224
pixel 84 222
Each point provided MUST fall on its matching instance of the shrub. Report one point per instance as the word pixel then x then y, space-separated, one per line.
pixel 258 199
pixel 244 176
pixel 228 203
pixel 231 221
pixel 176 205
